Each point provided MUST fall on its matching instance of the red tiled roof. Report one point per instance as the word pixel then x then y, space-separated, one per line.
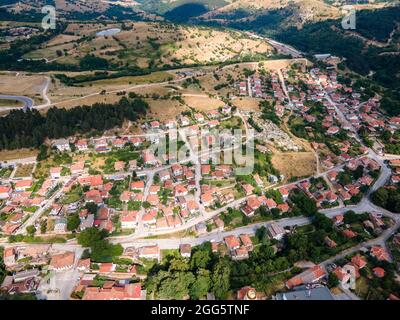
pixel 232 242
pixel 128 292
pixel 379 272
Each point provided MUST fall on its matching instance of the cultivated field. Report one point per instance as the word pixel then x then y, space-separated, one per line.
pixel 24 171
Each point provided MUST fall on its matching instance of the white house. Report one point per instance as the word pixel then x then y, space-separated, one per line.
pixel 275 231
pixel 60 225
pixel 61 145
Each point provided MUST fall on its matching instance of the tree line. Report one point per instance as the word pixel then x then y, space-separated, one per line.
pixel 29 129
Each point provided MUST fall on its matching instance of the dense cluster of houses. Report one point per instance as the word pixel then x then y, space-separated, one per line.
pixel 346 274
pixel 253 86
pixel 19 200
pixel 354 187
pixel 30 264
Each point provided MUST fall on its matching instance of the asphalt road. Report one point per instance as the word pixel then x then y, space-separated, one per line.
pixel 28 102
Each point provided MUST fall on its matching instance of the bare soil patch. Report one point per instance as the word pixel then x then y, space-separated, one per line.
pixel 295 164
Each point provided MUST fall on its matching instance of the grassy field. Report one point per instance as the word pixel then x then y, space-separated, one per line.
pixel 5 172
pixel 6 155
pixel 29 85
pixel 10 103
pixel 233 123
pixel 295 164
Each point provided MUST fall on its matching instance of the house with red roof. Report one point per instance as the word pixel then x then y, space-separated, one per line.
pixel 22 185
pixel 177 169
pixel 180 190
pixel 94 196
pixel 359 261
pixel 330 243
pixel 248 188
pixel 153 199
pixel 126 196
pixel 118 143
pixel 330 196
pixel 81 145
pixel 284 193
pixel 150 217
pixel 366 180
pixel 379 272
pixel 283 208
pixel 207 199
pixel 129 219
pixel 305 185
pixel 77 168
pixel 271 204
pixel 232 243
pixel 246 241
pixel 333 130
pixel 5 192
pixel 350 234
pixel 379 253
pixel 137 186
pixel 150 252
pixel 131 291
pixel 342 275
pixel 344 195
pixel 62 262
pixel 240 254
pixel 312 275
pixel 192 206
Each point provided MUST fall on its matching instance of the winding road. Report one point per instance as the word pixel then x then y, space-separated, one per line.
pixel 28 102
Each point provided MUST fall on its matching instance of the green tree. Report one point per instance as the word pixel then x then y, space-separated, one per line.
pixel 73 222
pixel 179 264
pixel 380 197
pixel 176 286
pixel 103 251
pixel 200 259
pixel 350 217
pixel 321 221
pixel 90 236
pixel 91 207
pixel 333 280
pixel 43 226
pixel 201 285
pixel 31 230
pixel 2 266
pixel 261 233
pixel 221 279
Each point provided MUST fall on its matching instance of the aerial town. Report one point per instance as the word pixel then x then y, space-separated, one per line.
pixel 151 206
pixel 150 156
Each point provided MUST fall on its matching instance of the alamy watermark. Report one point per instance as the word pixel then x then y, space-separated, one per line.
pixel 216 147
pixel 50 18
pixel 349 19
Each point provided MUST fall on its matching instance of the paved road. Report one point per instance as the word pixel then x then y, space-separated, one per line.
pixel 279 45
pixel 28 102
